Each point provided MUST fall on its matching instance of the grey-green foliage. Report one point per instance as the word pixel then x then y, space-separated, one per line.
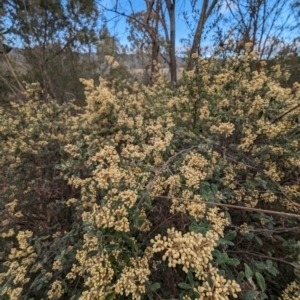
pixel 51 35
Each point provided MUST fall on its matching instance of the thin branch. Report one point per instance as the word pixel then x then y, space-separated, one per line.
pixel 62 49
pixel 159 297
pixel 164 25
pixel 264 211
pixel 210 9
pixel 123 14
pixel 275 230
pixel 161 223
pixel 259 170
pixel 12 71
pixel 260 255
pixel 159 171
pixel 284 114
pixel 165 58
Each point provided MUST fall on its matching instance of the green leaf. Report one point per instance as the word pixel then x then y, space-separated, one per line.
pixel 228 216
pixel 258 240
pixel 126 257
pixel 113 260
pixel 225 242
pixel 260 265
pixel 110 296
pixel 129 241
pixel 269 263
pixel 92 253
pixel 216 253
pixel 240 276
pixel 141 219
pixel 39 286
pixel 210 282
pixel 112 247
pixel 248 271
pixel 263 296
pixel 204 195
pixel 295 265
pixel 190 277
pixel 249 236
pixel 251 295
pixel 150 296
pixel 155 286
pixel 230 236
pixel 184 286
pixel 273 271
pixel 228 273
pixel 38 246
pixel 279 238
pixel 232 261
pixel 260 114
pixel 198 229
pixel 148 200
pixel 205 184
pixel 222 258
pixel 214 188
pixel 260 281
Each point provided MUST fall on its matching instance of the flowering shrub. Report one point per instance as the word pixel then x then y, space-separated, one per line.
pixel 37 231
pixel 155 192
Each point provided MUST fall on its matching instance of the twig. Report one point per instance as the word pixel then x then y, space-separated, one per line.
pixel 276 230
pixel 260 255
pixel 12 71
pixel 164 221
pixel 284 114
pixel 71 40
pixel 264 211
pixel 158 172
pixel 274 121
pixel 159 297
pixel 260 170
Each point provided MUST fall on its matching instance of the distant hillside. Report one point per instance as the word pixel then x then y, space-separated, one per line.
pixel 131 61
pixel 136 65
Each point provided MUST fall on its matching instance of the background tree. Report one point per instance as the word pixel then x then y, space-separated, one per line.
pixel 201 12
pixel 170 35
pixel 265 23
pixel 51 34
pixel 154 27
pixel 111 58
pixel 148 22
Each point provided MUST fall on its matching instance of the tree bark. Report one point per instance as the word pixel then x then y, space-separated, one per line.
pixel 205 13
pixel 153 32
pixel 171 42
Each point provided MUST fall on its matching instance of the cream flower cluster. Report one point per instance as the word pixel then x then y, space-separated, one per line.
pixel 20 261
pixel 192 207
pixel 97 270
pixel 146 224
pixel 221 288
pixel 190 250
pixel 132 280
pixel 108 217
pixel 223 128
pixel 217 219
pixel 193 250
pixel 194 169
pixel 292 292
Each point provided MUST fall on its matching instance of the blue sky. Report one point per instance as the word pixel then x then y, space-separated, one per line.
pixel 117 25
pixel 119 28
